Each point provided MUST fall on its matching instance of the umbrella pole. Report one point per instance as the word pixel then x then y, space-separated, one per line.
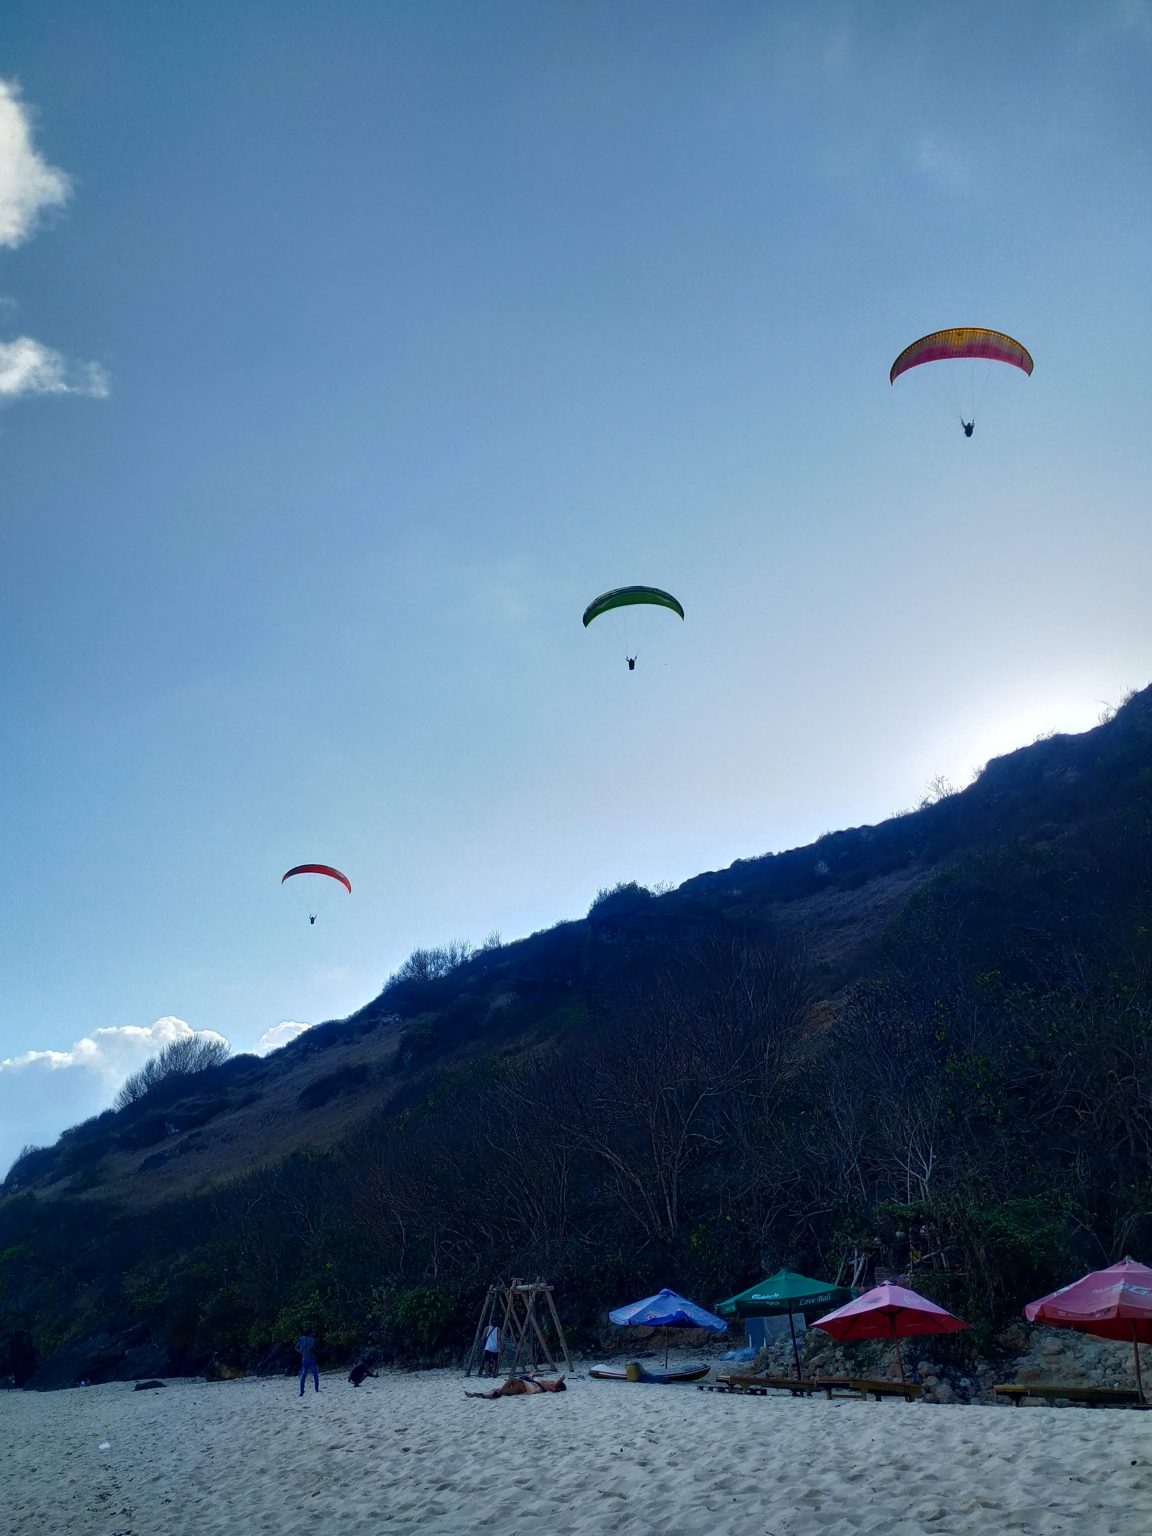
pixel 795 1350
pixel 665 1351
pixel 899 1355
pixel 1136 1357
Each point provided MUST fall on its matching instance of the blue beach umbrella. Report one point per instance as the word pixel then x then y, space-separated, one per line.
pixel 667 1310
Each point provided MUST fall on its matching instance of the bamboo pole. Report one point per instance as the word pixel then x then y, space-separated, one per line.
pixel 504 1324
pixel 520 1325
pixel 536 1326
pixel 559 1329
pixel 485 1314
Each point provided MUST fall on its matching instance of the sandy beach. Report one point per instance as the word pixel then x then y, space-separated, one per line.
pixel 411 1452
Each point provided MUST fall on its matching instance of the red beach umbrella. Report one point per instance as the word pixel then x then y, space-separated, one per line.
pixel 888 1312
pixel 1113 1303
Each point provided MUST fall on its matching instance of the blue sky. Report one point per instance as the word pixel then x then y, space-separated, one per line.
pixel 372 341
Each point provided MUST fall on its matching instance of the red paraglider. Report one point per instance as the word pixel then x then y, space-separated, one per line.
pixel 319 869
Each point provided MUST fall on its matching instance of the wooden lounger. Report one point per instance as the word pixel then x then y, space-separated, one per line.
pixel 762 1385
pixel 830 1385
pixel 759 1386
pixel 1093 1397
pixel 878 1389
pixel 855 1386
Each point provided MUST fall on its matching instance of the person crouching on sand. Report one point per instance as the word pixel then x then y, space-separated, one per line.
pixel 306 1349
pixel 358 1372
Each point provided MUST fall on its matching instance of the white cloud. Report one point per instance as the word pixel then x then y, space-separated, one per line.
pixel 28 184
pixel 280 1034
pixel 28 367
pixel 43 1092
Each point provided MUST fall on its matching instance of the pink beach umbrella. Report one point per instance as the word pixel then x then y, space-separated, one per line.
pixel 1113 1303
pixel 888 1312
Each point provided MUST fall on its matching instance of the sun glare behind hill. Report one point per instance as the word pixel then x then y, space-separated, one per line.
pixel 958 748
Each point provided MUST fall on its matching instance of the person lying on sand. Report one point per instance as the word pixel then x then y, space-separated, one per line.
pixel 518 1386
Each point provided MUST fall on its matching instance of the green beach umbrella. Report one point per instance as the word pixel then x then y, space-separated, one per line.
pixel 787 1292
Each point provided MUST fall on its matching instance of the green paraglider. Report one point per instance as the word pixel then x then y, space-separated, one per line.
pixel 626 597
pixel 623 597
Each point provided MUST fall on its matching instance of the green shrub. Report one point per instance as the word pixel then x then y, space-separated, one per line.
pixel 421 1315
pixel 618 900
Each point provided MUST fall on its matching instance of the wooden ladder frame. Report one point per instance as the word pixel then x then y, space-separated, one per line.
pixel 527 1311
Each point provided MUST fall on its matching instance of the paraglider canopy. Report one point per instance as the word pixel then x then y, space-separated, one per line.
pixel 624 597
pixel 962 341
pixel 318 869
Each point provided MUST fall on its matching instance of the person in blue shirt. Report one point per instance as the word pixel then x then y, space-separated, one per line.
pixel 306 1349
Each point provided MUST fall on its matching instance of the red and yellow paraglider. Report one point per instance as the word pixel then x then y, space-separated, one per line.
pixel 963 341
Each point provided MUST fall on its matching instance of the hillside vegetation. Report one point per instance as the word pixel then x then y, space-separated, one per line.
pixel 923 1047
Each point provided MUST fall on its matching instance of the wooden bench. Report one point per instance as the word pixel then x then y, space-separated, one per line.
pixel 1092 1397
pixel 830 1385
pixel 909 1390
pixel 761 1386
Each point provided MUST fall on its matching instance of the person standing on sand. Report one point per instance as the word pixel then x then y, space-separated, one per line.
pixel 306 1349
pixel 491 1352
